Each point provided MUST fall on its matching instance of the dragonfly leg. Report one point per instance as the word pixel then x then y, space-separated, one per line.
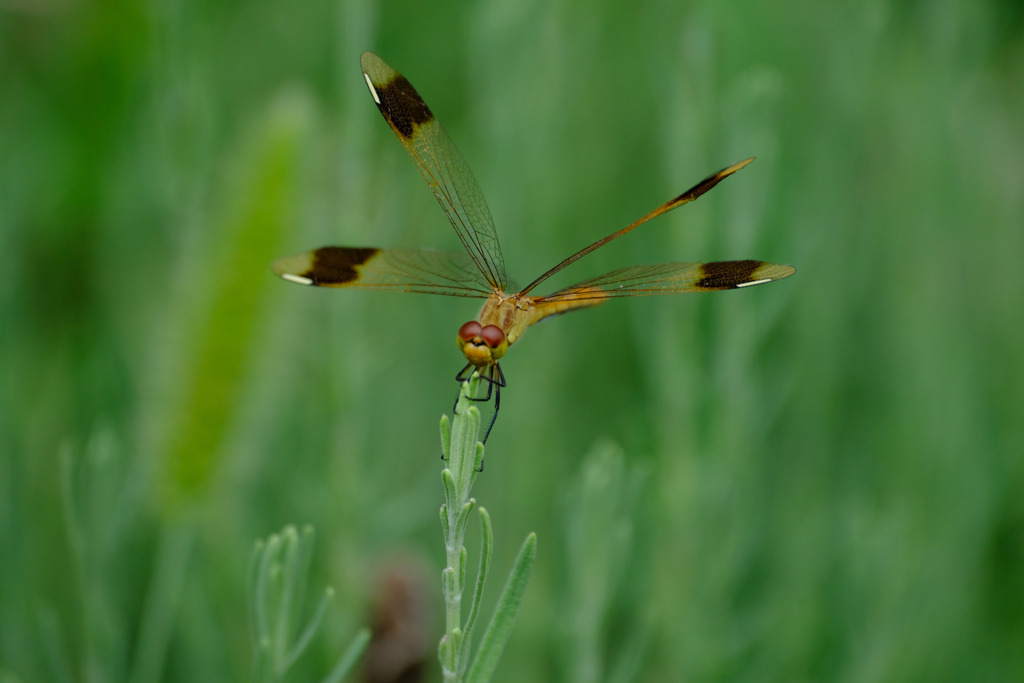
pixel 495 380
pixel 467 372
pixel 487 376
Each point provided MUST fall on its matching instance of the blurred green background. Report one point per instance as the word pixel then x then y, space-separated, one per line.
pixel 819 479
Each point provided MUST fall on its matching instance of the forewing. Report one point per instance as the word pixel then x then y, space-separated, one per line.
pixel 441 164
pixel 424 271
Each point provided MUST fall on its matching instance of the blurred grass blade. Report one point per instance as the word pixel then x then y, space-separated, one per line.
pixel 600 558
pixel 307 634
pixel 351 655
pixel 277 576
pixel 232 285
pixel 163 598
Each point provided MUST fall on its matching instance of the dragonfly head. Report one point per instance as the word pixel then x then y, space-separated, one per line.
pixel 481 344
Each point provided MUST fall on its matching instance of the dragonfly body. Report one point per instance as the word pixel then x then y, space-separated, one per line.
pixel 479 270
pixel 512 314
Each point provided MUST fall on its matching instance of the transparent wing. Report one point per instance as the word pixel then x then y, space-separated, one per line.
pixel 441 164
pixel 672 278
pixel 425 271
pixel 686 197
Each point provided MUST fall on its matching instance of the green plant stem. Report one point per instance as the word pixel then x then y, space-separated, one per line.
pixel 464 453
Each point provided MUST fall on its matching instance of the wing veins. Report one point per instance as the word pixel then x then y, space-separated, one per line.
pixel 441 164
pixel 672 278
pixel 469 232
pixel 686 197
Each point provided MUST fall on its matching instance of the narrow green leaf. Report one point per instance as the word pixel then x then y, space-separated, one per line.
pixel 448 583
pixel 444 521
pixel 450 491
pixel 463 519
pixel 478 462
pixel 463 561
pixel 486 551
pixel 442 650
pixel 446 437
pixel 498 631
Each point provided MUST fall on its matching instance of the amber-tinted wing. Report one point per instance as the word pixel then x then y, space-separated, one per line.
pixel 672 278
pixel 685 198
pixel 424 271
pixel 441 164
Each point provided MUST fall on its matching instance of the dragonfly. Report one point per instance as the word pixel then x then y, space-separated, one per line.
pixel 479 270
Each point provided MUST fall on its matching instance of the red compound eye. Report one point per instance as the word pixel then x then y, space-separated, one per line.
pixel 470 330
pixel 493 335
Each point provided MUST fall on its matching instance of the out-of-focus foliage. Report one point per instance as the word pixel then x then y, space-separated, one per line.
pixel 823 474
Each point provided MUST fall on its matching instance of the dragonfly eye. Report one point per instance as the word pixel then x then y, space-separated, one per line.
pixel 493 335
pixel 470 330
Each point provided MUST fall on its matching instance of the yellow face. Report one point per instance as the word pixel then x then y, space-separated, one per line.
pixel 482 345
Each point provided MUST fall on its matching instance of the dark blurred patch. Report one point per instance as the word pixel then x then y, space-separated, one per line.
pixel 400 621
pixel 1003 591
pixel 998 30
pixel 1009 21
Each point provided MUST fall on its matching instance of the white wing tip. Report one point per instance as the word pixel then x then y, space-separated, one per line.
pixel 291 277
pixel 373 91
